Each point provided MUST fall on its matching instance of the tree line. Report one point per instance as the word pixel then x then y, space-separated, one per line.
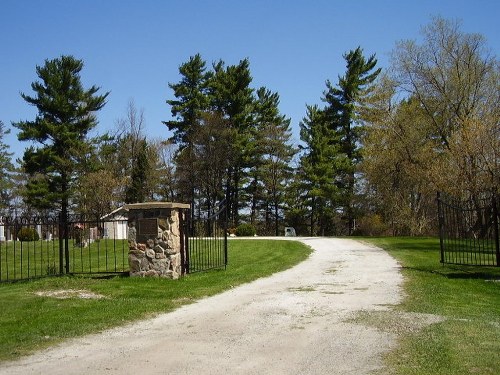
pixel 370 160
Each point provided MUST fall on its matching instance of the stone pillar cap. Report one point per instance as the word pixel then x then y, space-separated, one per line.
pixel 154 205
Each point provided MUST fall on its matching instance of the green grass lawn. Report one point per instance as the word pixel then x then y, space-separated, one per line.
pixel 30 322
pixel 31 259
pixel 467 341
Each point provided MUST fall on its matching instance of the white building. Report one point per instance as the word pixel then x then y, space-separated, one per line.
pixel 115 224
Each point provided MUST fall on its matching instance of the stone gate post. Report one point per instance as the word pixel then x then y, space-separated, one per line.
pixel 156 247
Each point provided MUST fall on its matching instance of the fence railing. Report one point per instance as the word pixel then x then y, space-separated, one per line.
pixel 97 245
pixel 469 230
pixel 32 247
pixel 207 240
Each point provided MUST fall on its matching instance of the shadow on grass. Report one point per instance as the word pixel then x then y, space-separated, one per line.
pixel 460 272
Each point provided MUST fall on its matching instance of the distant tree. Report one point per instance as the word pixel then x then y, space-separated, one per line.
pixel 274 154
pixel 455 79
pixel 137 190
pixel 135 158
pixel 120 149
pixel 214 152
pixel 66 114
pixel 317 169
pixel 231 95
pixel 220 133
pixel 433 126
pixel 397 162
pixel 344 103
pixel 97 193
pixel 191 100
pixel 6 170
pixel 297 204
pixel 167 184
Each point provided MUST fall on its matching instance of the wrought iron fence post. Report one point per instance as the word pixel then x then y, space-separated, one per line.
pixel 496 229
pixel 64 242
pixel 66 245
pixel 185 227
pixel 61 243
pixel 224 226
pixel 441 226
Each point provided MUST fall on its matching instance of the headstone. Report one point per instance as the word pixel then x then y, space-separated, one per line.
pixel 290 232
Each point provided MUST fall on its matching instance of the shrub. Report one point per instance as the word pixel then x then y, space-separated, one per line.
pixel 28 234
pixel 245 230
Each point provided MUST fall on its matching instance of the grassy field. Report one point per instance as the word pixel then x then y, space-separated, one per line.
pixel 30 320
pixel 467 339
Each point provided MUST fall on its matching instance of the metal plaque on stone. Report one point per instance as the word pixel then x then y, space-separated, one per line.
pixel 147 228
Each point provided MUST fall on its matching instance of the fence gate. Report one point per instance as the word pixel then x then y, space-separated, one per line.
pixel 469 230
pixel 206 239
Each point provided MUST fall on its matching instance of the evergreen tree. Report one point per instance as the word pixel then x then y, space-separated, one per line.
pixel 343 107
pixel 214 151
pixel 232 96
pixel 66 114
pixel 317 169
pixel 191 101
pixel 273 156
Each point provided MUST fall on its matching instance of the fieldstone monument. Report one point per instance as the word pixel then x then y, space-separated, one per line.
pixel 155 238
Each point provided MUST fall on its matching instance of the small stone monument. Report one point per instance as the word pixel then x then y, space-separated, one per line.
pixel 290 232
pixel 156 247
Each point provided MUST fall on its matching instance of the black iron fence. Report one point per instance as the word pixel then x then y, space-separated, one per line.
pixel 32 247
pixel 28 248
pixel 95 245
pixel 469 230
pixel 207 240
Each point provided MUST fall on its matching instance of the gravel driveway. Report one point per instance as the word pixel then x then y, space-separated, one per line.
pixel 294 322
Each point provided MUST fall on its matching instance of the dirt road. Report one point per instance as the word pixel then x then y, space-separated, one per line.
pixel 294 322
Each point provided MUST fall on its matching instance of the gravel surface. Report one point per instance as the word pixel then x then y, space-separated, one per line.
pixel 299 321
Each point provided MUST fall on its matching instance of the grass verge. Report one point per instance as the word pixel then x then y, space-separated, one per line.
pixel 30 322
pixel 466 338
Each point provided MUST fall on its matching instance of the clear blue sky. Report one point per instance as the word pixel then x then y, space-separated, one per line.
pixel 134 48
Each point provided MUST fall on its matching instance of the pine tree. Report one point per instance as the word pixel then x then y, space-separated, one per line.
pixel 191 101
pixel 343 106
pixel 232 96
pixel 317 169
pixel 66 114
pixel 273 154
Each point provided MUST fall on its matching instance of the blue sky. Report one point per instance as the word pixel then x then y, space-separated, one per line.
pixel 134 48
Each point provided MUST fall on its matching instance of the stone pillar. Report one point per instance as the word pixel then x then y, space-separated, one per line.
pixel 154 238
